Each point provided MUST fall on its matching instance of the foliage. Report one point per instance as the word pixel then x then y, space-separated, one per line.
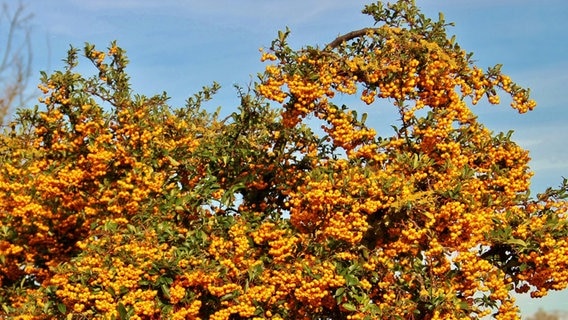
pixel 118 206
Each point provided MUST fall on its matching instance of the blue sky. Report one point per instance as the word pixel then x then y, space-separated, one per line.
pixel 178 46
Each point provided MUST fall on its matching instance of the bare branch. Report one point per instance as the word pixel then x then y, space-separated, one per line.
pixel 349 36
pixel 15 58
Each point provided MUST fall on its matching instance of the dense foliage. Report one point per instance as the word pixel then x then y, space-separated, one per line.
pixel 116 206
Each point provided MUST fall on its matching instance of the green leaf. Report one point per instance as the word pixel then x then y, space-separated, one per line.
pixel 46 307
pixel 351 280
pixel 365 254
pixel 131 228
pixel 165 290
pixel 255 272
pixel 122 311
pixel 123 290
pixel 340 292
pixel 349 307
pixel 62 308
pixel 517 242
pixel 415 162
pixel 463 305
pixel 167 309
pixel 229 296
pixel 164 280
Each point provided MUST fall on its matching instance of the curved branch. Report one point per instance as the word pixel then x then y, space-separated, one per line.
pixel 349 36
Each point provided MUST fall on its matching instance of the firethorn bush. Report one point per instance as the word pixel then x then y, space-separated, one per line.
pixel 117 206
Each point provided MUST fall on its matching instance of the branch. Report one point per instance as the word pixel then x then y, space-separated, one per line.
pixel 16 21
pixel 15 60
pixel 348 36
